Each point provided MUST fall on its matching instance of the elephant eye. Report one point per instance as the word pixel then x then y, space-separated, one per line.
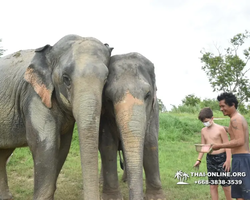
pixel 147 95
pixel 66 80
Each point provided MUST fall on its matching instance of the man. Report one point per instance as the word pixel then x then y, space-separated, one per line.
pixel 239 144
pixel 218 161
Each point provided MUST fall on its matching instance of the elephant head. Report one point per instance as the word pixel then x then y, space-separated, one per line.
pixel 71 74
pixel 130 93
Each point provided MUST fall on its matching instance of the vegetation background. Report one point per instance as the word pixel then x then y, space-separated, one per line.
pixel 179 131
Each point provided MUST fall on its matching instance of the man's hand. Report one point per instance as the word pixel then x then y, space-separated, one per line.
pixel 226 165
pixel 216 147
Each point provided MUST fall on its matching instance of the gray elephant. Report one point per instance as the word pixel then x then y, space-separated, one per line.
pixel 130 114
pixel 43 93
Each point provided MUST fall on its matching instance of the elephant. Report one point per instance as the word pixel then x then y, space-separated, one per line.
pixel 43 93
pixel 130 115
pixel 122 166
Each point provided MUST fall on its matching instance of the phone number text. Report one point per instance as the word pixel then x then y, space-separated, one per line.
pixel 218 182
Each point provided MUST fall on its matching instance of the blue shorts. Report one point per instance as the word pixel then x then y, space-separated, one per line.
pixel 241 172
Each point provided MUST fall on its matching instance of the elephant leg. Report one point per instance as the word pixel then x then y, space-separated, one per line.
pixel 151 165
pixel 4 188
pixel 108 149
pixel 45 154
pixel 64 150
pixel 45 172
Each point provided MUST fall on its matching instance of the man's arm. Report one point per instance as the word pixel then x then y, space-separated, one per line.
pixel 224 138
pixel 238 135
pixel 229 154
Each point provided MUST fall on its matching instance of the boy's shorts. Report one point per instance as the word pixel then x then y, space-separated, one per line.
pixel 240 174
pixel 215 171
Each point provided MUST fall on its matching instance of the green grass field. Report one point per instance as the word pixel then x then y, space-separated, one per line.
pixel 177 136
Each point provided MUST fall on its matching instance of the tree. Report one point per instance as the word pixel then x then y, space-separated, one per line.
pixel 1 50
pixel 162 107
pixel 228 72
pixel 191 100
pixel 211 103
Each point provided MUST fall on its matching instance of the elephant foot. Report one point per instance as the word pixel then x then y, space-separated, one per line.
pixel 6 197
pixel 112 196
pixel 154 195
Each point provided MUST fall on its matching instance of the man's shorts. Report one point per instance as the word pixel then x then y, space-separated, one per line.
pixel 240 172
pixel 215 171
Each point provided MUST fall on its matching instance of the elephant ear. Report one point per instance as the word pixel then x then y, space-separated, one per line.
pixel 109 48
pixel 155 97
pixel 154 89
pixel 38 74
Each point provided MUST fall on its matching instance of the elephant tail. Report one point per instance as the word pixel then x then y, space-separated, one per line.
pixel 121 160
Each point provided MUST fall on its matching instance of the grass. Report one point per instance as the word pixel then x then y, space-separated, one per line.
pixel 177 136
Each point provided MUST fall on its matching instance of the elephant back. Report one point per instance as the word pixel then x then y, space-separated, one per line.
pixel 17 60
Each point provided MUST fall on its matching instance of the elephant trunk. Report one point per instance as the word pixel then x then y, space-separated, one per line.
pixel 87 110
pixel 131 121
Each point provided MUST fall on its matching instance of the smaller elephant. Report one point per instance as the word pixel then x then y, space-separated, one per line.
pixel 130 115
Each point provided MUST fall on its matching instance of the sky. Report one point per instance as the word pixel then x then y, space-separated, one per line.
pixel 169 33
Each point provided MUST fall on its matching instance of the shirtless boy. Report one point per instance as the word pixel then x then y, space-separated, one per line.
pixel 218 161
pixel 239 144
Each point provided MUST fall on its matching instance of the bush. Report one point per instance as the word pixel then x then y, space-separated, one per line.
pixel 186 109
pixel 211 103
pixel 181 128
pixel 191 100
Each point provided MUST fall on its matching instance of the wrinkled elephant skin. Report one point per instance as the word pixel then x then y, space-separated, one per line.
pixel 130 116
pixel 43 93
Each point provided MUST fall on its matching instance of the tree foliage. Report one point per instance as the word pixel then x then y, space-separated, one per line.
pixel 211 103
pixel 193 104
pixel 228 72
pixel 1 50
pixel 191 100
pixel 162 107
